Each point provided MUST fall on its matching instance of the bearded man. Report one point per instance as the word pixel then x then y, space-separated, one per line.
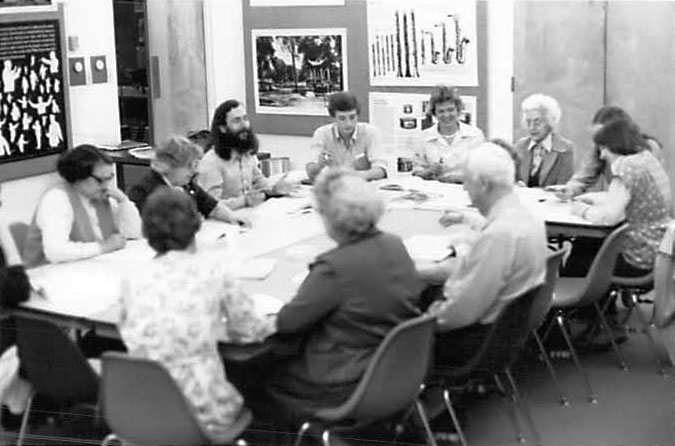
pixel 230 170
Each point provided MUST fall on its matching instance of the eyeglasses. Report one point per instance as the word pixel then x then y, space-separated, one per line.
pixel 103 180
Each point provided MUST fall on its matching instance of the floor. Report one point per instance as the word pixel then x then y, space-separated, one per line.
pixel 634 407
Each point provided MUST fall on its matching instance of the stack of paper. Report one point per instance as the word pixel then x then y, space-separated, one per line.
pixel 258 268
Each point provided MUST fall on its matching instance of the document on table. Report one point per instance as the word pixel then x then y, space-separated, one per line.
pixel 258 268
pixel 265 304
pixel 428 248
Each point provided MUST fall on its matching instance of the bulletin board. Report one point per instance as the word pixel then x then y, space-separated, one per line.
pixel 352 16
pixel 34 107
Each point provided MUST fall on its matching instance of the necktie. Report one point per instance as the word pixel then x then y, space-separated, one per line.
pixel 537 157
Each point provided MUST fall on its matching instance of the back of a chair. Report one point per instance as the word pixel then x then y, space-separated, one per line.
pixel 19 230
pixel 54 365
pixel 599 277
pixel 542 302
pixel 143 405
pixel 504 340
pixel 393 378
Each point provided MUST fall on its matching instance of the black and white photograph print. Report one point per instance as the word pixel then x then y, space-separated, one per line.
pixel 295 70
pixel 422 43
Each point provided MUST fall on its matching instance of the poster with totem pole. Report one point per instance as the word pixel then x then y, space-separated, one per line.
pixel 32 97
pixel 422 43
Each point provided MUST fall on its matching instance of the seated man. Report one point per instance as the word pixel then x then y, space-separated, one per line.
pixel 546 158
pixel 175 165
pixel 230 171
pixel 347 142
pixel 507 258
pixel 82 216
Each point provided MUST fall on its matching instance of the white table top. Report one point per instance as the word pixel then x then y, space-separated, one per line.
pixel 283 230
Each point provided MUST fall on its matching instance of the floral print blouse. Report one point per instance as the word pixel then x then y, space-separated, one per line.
pixel 649 209
pixel 174 312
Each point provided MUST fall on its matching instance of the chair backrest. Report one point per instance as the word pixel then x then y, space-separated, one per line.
pixel 599 277
pixel 542 302
pixel 143 405
pixel 19 230
pixel 54 365
pixel 394 376
pixel 505 338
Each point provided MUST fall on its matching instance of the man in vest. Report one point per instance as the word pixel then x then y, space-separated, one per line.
pixel 83 215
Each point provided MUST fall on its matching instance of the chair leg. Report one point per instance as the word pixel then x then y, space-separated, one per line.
pixel 301 432
pixel 647 331
pixel 24 421
pixel 606 327
pixel 549 366
pixel 523 406
pixel 453 416
pixel 560 320
pixel 110 438
pixel 419 408
pixel 325 438
pixel 509 412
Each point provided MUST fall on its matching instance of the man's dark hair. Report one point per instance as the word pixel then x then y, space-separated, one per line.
pixel 78 164
pixel 342 101
pixel 225 143
pixel 444 94
pixel 170 220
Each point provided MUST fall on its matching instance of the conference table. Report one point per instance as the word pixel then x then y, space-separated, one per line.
pixel 271 258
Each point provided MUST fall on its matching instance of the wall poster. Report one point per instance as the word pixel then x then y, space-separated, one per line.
pixel 296 69
pixel 401 117
pixel 422 43
pixel 33 119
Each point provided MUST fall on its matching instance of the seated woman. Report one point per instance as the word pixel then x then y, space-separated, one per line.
pixel 82 216
pixel 230 171
pixel 546 158
pixel 175 165
pixel 443 147
pixel 176 310
pixel 354 294
pixel 639 190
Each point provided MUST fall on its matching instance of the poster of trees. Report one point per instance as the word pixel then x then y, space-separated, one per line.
pixel 296 69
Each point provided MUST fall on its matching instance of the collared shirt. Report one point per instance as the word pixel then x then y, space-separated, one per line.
pixel 230 180
pixel 362 152
pixel 538 149
pixel 55 217
pixel 507 259
pixel 434 148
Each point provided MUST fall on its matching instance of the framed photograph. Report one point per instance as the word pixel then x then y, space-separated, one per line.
pixel 422 43
pixel 295 70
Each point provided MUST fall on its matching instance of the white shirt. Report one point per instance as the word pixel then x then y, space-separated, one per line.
pixel 55 217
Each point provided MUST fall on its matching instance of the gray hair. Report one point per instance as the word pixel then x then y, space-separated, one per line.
pixel 176 152
pixel 350 204
pixel 491 163
pixel 549 107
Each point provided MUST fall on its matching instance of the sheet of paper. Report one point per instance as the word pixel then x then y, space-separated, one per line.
pixel 266 304
pixel 258 268
pixel 428 248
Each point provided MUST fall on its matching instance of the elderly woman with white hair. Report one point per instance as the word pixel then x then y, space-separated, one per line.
pixel 546 158
pixel 175 165
pixel 353 296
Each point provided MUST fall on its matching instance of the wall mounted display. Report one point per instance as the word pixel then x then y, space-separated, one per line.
pixel 401 117
pixel 296 69
pixel 422 43
pixel 33 114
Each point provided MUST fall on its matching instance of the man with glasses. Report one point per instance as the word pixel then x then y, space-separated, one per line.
pixel 82 216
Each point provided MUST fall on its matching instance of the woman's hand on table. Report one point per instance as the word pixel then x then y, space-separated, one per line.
pixel 452 217
pixel 560 191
